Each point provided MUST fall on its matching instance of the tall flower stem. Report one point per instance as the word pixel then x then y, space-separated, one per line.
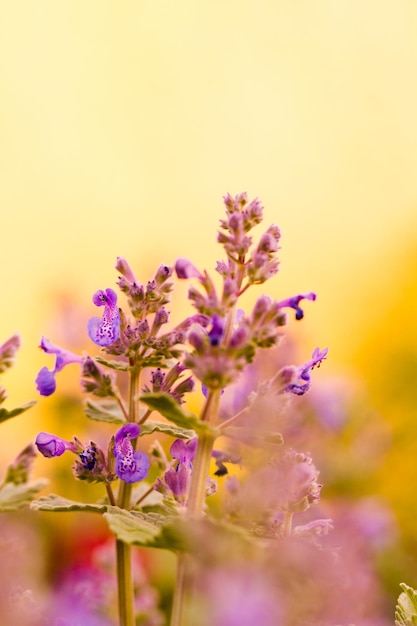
pixel 201 466
pixel 123 550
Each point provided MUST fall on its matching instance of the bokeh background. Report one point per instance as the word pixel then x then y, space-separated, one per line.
pixel 123 124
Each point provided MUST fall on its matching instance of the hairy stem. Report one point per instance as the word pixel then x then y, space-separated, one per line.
pixel 181 585
pixel 201 466
pixel 123 550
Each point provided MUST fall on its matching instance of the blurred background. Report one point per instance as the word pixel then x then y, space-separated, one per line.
pixel 122 125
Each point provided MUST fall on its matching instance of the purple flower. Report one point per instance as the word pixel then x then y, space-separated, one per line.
pixel 88 457
pixel 178 481
pixel 303 381
pixel 51 445
pixel 45 380
pixel 185 269
pixel 131 465
pixel 184 451
pixel 294 303
pixel 106 330
pixel 216 333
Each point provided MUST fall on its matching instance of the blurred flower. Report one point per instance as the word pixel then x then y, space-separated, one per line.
pixel 241 595
pixel 106 331
pixel 185 269
pixel 45 380
pixel 294 303
pixel 303 381
pixel 8 351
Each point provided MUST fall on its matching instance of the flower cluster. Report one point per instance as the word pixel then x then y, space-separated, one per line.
pixel 161 363
pixel 92 464
pixel 229 342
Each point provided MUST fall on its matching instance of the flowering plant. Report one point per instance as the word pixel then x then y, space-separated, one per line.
pixel 16 490
pixel 238 561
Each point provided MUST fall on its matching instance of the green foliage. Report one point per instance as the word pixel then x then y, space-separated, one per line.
pixel 140 529
pixel 173 533
pixel 56 503
pixel 169 408
pixel 120 366
pixel 16 496
pixel 16 491
pixel 104 411
pixel 167 429
pixel 6 414
pixel 406 609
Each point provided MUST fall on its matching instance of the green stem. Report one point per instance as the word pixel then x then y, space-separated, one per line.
pixel 201 466
pixel 123 550
pixel 124 584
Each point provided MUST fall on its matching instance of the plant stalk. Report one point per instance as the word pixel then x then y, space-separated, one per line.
pixel 123 550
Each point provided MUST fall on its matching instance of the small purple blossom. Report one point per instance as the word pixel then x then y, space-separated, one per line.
pixel 45 380
pixel 131 465
pixel 185 269
pixel 303 380
pixel 294 303
pixel 106 330
pixel 178 481
pixel 217 329
pixel 51 445
pixel 184 451
pixel 88 457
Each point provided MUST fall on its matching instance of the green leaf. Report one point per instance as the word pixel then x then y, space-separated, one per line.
pixel 139 529
pixel 14 497
pixel 253 436
pixel 406 609
pixel 166 406
pixel 58 504
pixel 201 537
pixel 6 415
pixel 104 411
pixel 167 429
pixel 18 472
pixel 121 366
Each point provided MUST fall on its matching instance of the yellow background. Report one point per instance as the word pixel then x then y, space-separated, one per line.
pixel 122 124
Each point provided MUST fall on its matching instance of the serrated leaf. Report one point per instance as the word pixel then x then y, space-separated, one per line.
pixel 6 415
pixel 56 503
pixel 139 529
pixel 167 429
pixel 14 497
pixel 104 411
pixel 121 366
pixel 166 406
pixel 406 609
pixel 173 533
pixel 253 436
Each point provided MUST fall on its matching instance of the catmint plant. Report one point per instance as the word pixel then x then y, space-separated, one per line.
pixel 159 499
pixel 16 490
